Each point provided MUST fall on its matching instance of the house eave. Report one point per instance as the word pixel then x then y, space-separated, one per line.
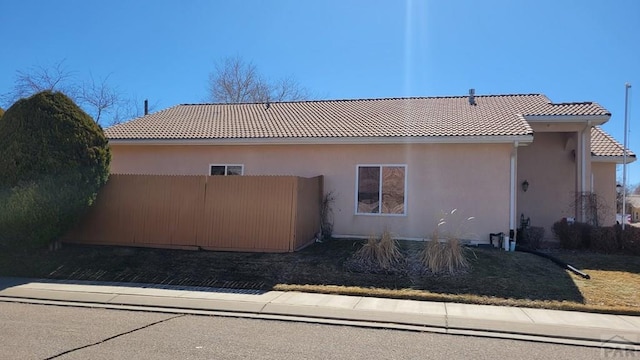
pixel 612 159
pixel 593 119
pixel 521 139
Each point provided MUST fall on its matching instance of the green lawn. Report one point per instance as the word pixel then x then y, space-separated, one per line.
pixel 495 277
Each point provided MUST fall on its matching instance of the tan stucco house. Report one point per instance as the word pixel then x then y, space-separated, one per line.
pixel 397 163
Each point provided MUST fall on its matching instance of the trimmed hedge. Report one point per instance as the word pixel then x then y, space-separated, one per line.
pixel 606 239
pixel 531 237
pixel 55 159
pixel 572 235
pixel 629 239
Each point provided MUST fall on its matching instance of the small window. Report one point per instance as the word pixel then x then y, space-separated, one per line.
pixel 381 189
pixel 225 170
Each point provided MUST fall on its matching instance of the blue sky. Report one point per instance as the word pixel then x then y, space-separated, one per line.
pixel 570 50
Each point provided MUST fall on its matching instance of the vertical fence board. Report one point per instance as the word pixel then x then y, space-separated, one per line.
pixel 188 211
pixel 309 201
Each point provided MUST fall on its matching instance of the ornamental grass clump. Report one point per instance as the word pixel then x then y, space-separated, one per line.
pixel 444 251
pixel 383 252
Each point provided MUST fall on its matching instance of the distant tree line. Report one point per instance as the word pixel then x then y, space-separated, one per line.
pixel 233 80
pixel 105 103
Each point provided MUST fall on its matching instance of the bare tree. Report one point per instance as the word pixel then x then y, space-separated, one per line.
pixel 237 81
pixel 98 98
pixel 39 78
pixel 625 193
pixel 127 109
pixel 288 89
pixel 106 104
pixel 590 208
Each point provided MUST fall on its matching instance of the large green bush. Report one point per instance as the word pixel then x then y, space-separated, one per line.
pixel 54 160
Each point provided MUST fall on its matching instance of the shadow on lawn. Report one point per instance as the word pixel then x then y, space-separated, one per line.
pixel 9 282
pixel 494 273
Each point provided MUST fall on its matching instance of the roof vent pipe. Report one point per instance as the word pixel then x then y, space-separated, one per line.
pixel 472 97
pixel 146 107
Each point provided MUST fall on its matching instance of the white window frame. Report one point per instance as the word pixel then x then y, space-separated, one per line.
pixel 226 169
pixel 406 177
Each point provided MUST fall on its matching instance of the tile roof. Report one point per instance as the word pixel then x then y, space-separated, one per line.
pixel 574 108
pixel 493 115
pixel 603 144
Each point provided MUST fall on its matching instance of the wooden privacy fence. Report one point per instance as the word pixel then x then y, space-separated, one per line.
pixel 234 213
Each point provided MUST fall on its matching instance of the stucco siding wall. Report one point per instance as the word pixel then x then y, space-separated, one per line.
pixel 604 185
pixel 472 178
pixel 549 165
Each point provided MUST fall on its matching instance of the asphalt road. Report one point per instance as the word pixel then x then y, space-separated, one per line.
pixel 47 332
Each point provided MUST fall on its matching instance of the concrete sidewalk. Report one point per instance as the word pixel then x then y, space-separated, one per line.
pixel 555 326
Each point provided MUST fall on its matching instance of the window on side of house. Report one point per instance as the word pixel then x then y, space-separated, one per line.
pixel 224 170
pixel 381 189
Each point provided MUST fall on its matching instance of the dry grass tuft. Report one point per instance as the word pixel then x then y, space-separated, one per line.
pixel 383 252
pixel 444 252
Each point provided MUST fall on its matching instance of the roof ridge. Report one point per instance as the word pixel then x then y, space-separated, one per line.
pixel 368 99
pixel 574 103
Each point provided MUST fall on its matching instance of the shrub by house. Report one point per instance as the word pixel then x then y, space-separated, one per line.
pixel 54 160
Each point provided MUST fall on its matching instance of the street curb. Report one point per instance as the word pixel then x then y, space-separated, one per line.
pixel 459 331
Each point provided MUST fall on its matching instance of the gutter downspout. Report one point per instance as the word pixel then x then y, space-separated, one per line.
pixel 624 155
pixel 583 170
pixel 512 196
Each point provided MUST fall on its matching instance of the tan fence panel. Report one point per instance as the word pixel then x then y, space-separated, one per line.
pixel 234 213
pixel 100 224
pixel 248 213
pixel 144 210
pixel 168 209
pixel 309 200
